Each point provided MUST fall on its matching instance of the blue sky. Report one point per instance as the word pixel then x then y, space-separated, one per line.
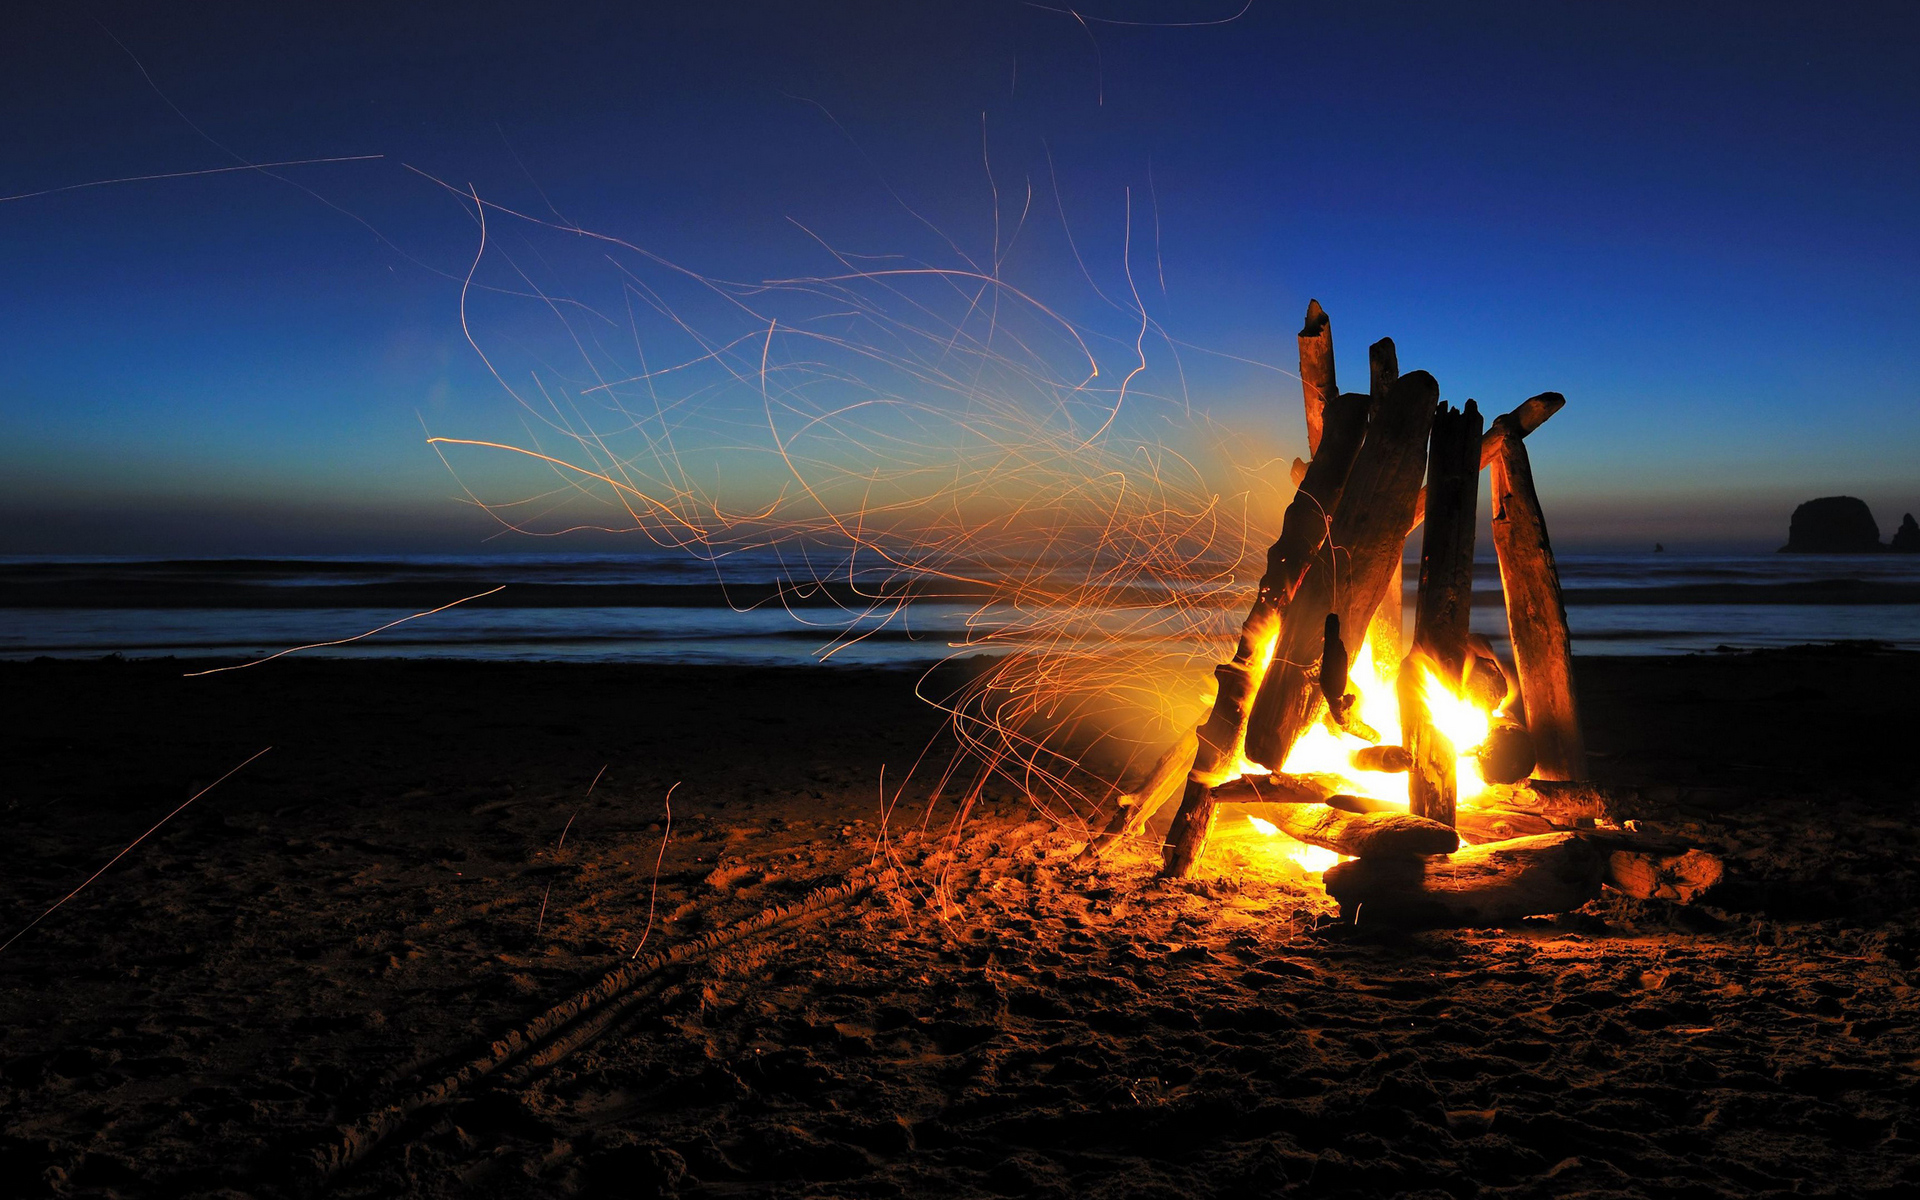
pixel 1696 221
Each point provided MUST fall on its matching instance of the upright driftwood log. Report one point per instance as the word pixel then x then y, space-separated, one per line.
pixel 1528 416
pixel 1349 578
pixel 1136 808
pixel 1433 778
pixel 1302 530
pixel 1442 607
pixel 1481 885
pixel 1383 369
pixel 1445 600
pixel 1317 386
pixel 1216 744
pixel 1192 826
pixel 1536 617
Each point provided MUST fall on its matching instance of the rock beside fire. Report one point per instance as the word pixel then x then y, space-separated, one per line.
pixel 1832 525
pixel 1651 875
pixel 1495 884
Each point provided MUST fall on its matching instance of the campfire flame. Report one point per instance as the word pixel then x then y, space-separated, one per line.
pixel 1325 750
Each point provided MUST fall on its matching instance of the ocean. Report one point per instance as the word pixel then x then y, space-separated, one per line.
pixel 664 606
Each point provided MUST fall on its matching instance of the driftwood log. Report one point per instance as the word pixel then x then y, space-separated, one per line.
pixel 1445 600
pixel 1442 607
pixel 1482 825
pixel 1192 826
pixel 1136 808
pixel 1433 766
pixel 1303 531
pixel 1280 788
pixel 1481 885
pixel 1536 617
pixel 1565 802
pixel 1528 416
pixel 1363 835
pixel 1317 386
pixel 1212 751
pixel 1366 536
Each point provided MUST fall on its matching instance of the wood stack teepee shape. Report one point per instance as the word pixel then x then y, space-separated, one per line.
pixel 1335 564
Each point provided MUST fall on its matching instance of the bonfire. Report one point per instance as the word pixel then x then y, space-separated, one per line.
pixel 1430 783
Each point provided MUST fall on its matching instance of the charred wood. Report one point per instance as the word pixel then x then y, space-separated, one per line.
pixel 1368 528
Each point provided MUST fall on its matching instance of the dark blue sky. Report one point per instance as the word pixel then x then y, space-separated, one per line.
pixel 1698 221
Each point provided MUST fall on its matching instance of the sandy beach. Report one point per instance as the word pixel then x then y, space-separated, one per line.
pixel 387 894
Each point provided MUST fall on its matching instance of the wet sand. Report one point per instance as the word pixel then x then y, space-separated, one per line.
pixel 387 892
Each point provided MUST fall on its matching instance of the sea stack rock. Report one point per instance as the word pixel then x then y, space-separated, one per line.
pixel 1906 539
pixel 1832 525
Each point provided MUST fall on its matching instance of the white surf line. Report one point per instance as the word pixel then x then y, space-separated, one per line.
pixel 343 641
pixel 130 845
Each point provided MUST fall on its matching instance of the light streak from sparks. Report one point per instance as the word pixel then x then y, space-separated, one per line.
pixel 1068 12
pixel 654 895
pixel 94 183
pixel 129 848
pixel 894 431
pixel 343 641
pixel 560 845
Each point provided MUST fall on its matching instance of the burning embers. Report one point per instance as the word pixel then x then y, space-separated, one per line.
pixel 1392 760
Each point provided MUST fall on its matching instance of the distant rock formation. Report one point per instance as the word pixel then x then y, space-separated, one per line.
pixel 1906 539
pixel 1832 525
